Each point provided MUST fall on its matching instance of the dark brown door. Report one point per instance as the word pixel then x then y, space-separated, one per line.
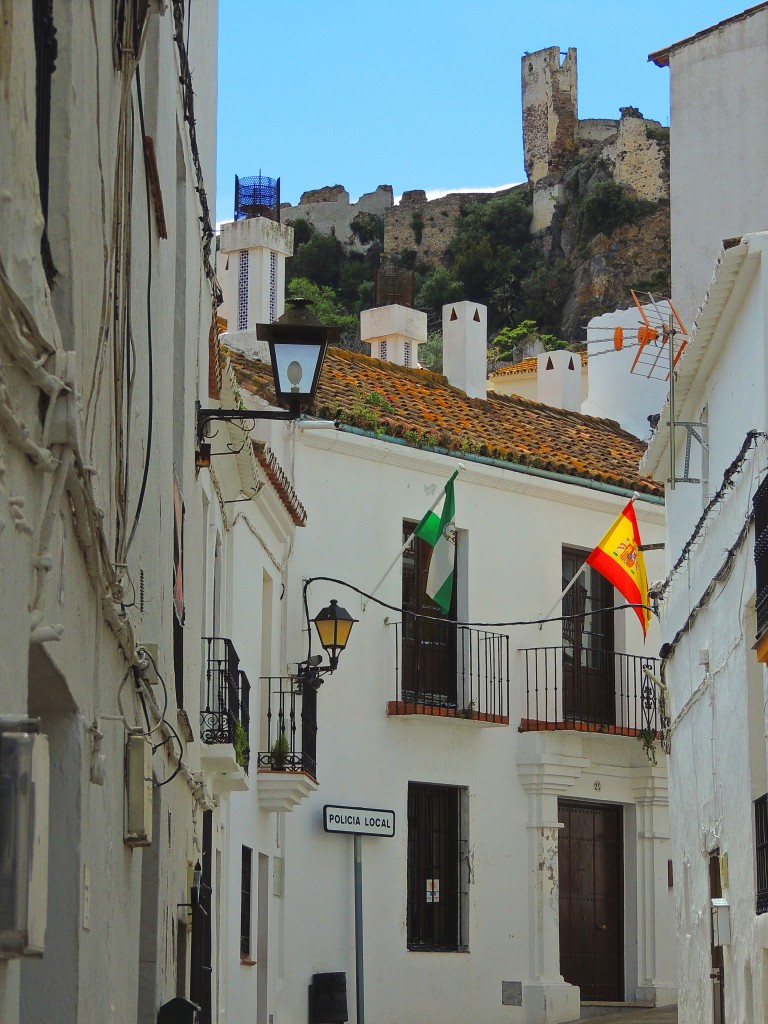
pixel 588 690
pixel 717 972
pixel 429 644
pixel 591 899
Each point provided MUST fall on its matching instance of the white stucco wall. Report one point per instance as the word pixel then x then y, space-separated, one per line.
pixel 111 945
pixel 718 689
pixel 367 758
pixel 716 85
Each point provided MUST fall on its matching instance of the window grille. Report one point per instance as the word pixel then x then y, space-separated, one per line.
pixel 242 292
pixel 436 907
pixel 383 351
pixel 761 853
pixel 760 505
pixel 272 287
pixel 245 902
pixel 407 353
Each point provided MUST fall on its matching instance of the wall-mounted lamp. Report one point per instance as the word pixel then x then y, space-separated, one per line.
pixel 333 624
pixel 297 343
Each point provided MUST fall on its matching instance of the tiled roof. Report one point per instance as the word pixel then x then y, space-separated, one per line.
pixel 527 366
pixel 423 408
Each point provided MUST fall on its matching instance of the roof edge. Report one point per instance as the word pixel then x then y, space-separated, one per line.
pixel 661 57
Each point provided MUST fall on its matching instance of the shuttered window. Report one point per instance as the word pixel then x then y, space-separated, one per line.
pixel 761 853
pixel 760 504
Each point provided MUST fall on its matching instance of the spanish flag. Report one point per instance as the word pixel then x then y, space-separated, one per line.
pixel 618 557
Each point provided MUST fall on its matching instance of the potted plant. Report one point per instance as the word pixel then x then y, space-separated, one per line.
pixel 240 743
pixel 279 752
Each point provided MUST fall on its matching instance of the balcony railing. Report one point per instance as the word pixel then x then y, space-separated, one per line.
pixel 288 733
pixel 593 691
pixel 226 700
pixel 451 671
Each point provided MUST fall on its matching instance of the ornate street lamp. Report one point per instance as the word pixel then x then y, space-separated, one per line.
pixel 333 624
pixel 297 343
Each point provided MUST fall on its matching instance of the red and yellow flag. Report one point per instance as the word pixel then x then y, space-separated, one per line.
pixel 618 557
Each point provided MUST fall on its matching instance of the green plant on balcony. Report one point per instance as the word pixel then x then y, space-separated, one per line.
pixel 279 752
pixel 647 738
pixel 240 743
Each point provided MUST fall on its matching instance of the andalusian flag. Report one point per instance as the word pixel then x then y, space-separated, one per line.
pixel 618 557
pixel 437 529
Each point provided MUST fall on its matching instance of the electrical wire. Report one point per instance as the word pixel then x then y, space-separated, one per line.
pixel 150 367
pixel 456 622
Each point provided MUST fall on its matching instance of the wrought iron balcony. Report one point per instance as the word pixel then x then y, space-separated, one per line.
pixel 589 690
pixel 450 671
pixel 288 734
pixel 225 717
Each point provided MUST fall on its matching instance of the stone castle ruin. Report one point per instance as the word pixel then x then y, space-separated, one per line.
pixel 566 160
pixel 554 138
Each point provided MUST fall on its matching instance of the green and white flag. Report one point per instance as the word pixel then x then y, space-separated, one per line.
pixel 437 529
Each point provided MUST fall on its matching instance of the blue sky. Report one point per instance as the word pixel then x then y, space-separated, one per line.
pixel 420 94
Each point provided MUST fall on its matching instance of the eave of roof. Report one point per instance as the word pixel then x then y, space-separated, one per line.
pixel 661 57
pixel 425 410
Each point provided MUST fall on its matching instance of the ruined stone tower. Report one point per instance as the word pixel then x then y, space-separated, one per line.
pixel 550 112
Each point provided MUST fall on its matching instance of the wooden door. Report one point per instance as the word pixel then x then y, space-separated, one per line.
pixel 588 687
pixel 591 899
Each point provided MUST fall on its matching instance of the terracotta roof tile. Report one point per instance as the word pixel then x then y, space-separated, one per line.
pixel 423 408
pixel 526 366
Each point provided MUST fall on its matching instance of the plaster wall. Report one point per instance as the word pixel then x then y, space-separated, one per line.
pixel 714 80
pixel 718 689
pixel 70 620
pixel 366 758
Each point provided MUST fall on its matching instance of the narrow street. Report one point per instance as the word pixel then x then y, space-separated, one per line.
pixel 635 1015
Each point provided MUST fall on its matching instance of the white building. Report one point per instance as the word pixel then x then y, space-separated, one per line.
pixel 530 822
pixel 712 611
pixel 108 296
pixel 718 145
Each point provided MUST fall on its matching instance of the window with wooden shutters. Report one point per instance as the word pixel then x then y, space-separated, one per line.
pixel 246 889
pixel 760 505
pixel 761 854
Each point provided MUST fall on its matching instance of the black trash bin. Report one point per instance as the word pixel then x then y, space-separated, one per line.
pixel 329 998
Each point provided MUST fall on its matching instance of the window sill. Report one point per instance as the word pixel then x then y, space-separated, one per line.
pixel 247 962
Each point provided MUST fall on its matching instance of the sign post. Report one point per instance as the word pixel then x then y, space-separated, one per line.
pixel 359 822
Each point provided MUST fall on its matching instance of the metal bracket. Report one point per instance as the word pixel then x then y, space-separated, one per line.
pixel 691 433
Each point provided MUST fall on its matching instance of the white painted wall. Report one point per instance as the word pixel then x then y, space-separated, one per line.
pixel 112 948
pixel 366 758
pixel 719 190
pixel 718 691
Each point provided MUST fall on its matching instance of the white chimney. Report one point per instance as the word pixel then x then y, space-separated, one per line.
pixel 558 379
pixel 394 333
pixel 251 269
pixel 465 347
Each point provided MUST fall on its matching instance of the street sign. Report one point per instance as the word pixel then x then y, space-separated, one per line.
pixel 359 821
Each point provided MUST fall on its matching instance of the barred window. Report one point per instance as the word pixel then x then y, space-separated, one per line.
pixel 760 505
pixel 761 853
pixel 437 868
pixel 245 902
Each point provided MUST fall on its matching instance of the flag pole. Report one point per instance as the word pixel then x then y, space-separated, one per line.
pixel 402 550
pixel 576 577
